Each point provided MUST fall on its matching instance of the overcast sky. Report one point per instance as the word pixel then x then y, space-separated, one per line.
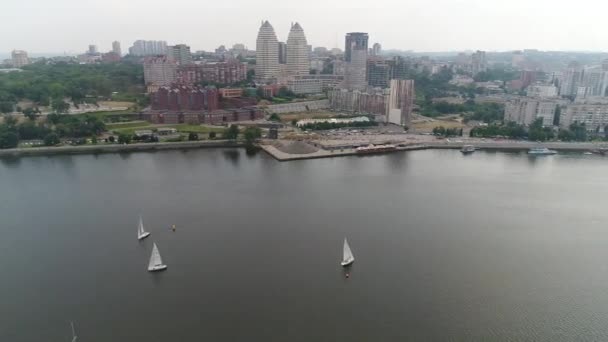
pixel 420 25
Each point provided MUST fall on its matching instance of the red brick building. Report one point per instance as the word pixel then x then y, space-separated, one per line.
pixel 179 98
pixel 214 72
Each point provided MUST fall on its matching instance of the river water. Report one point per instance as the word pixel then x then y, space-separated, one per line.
pixel 490 246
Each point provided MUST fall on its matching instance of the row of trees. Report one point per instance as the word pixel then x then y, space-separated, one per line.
pixel 486 112
pixel 535 132
pixel 325 125
pixel 49 84
pixel 447 132
pixel 51 130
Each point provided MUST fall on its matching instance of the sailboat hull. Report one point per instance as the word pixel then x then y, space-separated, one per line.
pixel 157 268
pixel 143 236
pixel 347 262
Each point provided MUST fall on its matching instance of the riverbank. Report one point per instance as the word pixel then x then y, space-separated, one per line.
pixel 114 148
pixel 507 146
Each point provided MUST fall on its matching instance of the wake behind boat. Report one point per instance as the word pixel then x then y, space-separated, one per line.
pixel 74 337
pixel 347 254
pixel 156 262
pixel 141 232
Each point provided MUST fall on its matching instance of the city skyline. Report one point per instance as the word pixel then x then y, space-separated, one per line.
pixel 471 24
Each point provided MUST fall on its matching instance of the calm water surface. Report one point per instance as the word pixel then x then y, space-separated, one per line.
pixel 490 246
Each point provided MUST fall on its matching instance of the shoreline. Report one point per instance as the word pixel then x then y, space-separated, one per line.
pixel 284 156
pixel 115 148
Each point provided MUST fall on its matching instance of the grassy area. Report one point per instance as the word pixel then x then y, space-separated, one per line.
pixel 104 114
pixel 130 124
pixel 131 127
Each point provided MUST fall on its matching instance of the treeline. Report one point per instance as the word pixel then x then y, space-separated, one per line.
pixel 447 132
pixel 535 132
pixel 325 125
pixel 47 84
pixel 54 128
pixel 486 112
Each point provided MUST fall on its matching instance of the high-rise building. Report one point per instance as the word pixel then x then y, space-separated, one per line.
pixel 116 48
pixel 282 53
pixel 159 71
pixel 527 77
pixel 229 72
pixel 267 54
pixel 298 54
pixel 355 54
pixel 479 62
pixel 376 49
pixel 378 72
pixel 19 58
pixel 595 80
pixel 571 80
pixel 93 50
pixel 148 48
pixel 180 53
pixel 401 102
pixel 524 110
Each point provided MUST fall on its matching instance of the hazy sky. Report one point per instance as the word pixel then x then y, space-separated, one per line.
pixel 420 25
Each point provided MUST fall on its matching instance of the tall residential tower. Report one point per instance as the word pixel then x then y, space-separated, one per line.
pixel 298 62
pixel 355 55
pixel 267 54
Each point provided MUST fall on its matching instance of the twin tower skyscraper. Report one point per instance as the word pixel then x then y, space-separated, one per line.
pixel 268 68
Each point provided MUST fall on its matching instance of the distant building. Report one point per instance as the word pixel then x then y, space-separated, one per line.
pixel 355 54
pixel 227 93
pixel 593 115
pixel 184 98
pixel 148 48
pixel 542 91
pixel 110 57
pixel 282 53
pixel 180 53
pixel 267 54
pixel 93 50
pixel 298 54
pixel 116 48
pixel 355 101
pixel 378 72
pixel 327 81
pixel 376 49
pixel 527 77
pixel 595 80
pixel 401 102
pixel 305 86
pixel 19 58
pixel 571 80
pixel 479 62
pixel 159 71
pixel 224 73
pixel 320 51
pixel 525 110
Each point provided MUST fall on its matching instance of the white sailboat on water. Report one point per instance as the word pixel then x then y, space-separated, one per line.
pixel 156 262
pixel 74 337
pixel 347 255
pixel 141 232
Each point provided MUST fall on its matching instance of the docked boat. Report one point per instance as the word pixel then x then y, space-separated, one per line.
pixel 347 254
pixel 466 149
pixel 141 232
pixel 156 262
pixel 543 151
pixel 371 148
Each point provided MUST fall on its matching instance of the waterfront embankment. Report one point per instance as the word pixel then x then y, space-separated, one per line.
pixel 507 146
pixel 114 148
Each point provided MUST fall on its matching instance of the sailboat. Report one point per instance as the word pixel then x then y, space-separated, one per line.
pixel 141 233
pixel 74 337
pixel 347 255
pixel 156 262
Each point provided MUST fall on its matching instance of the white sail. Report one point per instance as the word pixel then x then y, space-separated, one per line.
pixel 155 259
pixel 141 232
pixel 140 227
pixel 347 254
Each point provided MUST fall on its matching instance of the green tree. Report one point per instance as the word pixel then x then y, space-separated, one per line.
pixel 124 138
pixel 6 107
pixel 59 106
pixel 192 136
pixel 111 139
pixel 231 132
pixel 51 139
pixel 212 135
pixel 8 139
pixel 29 113
pixel 94 140
pixel 251 134
pixel 274 117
